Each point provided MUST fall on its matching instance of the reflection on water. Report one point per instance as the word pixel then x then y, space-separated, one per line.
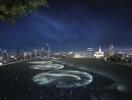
pixel 40 62
pixel 59 78
pixel 63 78
pixel 45 65
pixel 21 82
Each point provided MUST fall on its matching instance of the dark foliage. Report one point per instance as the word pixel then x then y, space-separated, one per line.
pixel 10 10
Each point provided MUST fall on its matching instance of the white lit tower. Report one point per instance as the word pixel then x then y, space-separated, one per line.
pixel 100 49
pixel 111 50
pixel 99 54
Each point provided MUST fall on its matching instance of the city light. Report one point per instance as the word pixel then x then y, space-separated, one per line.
pixel 99 54
pixel 77 56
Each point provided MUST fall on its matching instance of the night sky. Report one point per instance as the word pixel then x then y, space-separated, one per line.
pixel 72 25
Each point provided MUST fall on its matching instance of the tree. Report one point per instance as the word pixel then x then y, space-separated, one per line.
pixel 10 10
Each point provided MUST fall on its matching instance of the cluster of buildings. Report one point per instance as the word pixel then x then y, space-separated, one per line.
pixel 7 56
pixel 89 53
pixel 109 54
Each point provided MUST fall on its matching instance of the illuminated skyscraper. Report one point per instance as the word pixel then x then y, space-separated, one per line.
pixel 1 52
pixel 90 52
pixel 1 56
pixel 111 50
pixel 99 54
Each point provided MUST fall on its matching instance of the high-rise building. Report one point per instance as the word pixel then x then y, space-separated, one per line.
pixel 111 50
pixel 90 52
pixel 1 56
pixel 99 54
pixel 1 52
